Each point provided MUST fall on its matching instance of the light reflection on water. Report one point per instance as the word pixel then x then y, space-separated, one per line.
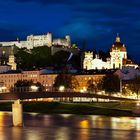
pixel 69 127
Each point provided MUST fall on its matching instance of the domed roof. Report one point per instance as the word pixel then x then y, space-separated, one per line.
pixel 118 45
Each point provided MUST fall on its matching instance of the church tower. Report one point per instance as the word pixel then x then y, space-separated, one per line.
pixel 118 54
pixel 87 63
pixel 11 61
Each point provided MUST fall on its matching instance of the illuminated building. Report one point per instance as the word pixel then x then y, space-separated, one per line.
pixel 11 61
pixel 39 40
pixel 118 54
pixel 118 58
pixel 9 78
pixel 7 59
pixel 96 63
pixel 63 42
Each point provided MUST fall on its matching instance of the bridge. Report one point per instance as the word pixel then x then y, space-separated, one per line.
pixel 17 109
pixel 35 95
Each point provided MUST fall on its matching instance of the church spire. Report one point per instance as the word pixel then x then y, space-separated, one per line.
pixel 118 38
pixel 12 50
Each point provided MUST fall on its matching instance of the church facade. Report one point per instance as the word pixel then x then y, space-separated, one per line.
pixel 7 59
pixel 118 58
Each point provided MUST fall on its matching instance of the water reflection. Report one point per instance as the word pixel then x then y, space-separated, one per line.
pixel 69 127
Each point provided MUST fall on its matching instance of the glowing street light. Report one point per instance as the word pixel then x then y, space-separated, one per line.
pixel 61 88
pixel 3 89
pixel 34 88
pixel 83 90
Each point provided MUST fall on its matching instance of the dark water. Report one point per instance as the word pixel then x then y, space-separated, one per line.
pixel 70 127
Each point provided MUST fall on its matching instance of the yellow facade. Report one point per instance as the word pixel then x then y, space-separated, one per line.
pixel 8 80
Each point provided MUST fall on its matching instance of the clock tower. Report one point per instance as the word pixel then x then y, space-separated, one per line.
pixel 118 54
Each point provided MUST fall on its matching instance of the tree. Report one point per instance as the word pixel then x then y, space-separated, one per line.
pixel 94 86
pixel 60 57
pixel 24 58
pixel 75 61
pixel 26 84
pixel 111 83
pixel 74 46
pixel 66 80
pixel 34 58
pixel 91 85
pixel 40 86
pixel 23 83
pixel 42 56
pixel 134 85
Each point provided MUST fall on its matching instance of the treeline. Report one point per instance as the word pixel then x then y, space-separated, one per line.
pixel 41 57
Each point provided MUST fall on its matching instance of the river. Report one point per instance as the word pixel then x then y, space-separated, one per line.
pixel 69 127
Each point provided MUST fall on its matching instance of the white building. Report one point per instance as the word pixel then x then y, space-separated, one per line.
pixel 63 42
pixel 118 58
pixel 118 54
pixel 96 63
pixel 39 40
pixel 7 64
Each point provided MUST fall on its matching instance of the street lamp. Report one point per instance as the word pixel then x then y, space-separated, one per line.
pixel 34 88
pixel 83 90
pixel 61 88
pixel 3 89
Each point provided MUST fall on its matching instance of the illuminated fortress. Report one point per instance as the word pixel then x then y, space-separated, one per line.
pixel 39 40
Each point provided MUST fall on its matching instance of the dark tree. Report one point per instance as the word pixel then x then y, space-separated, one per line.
pixel 27 85
pixel 60 57
pixel 34 58
pixel 41 56
pixel 111 83
pixel 134 85
pixel 91 85
pixel 66 80
pixel 24 58
pixel 23 83
pixel 75 61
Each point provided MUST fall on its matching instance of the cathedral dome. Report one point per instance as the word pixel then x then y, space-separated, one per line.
pixel 118 45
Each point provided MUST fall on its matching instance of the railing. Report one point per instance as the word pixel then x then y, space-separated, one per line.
pixel 35 95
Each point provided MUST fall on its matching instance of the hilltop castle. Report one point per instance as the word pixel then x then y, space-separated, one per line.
pixel 39 40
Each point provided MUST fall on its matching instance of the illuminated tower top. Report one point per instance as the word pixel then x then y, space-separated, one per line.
pixel 118 38
pixel 118 45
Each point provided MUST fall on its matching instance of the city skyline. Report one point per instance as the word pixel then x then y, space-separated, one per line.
pixel 96 22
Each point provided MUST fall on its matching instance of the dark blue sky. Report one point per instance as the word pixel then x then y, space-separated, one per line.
pixel 96 21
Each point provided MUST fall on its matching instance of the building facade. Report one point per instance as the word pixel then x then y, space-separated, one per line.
pixel 7 80
pixel 39 40
pixel 118 58
pixel 7 59
pixel 63 42
pixel 91 64
pixel 11 60
pixel 118 54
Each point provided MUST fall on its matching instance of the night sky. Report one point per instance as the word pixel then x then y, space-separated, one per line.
pixel 95 21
